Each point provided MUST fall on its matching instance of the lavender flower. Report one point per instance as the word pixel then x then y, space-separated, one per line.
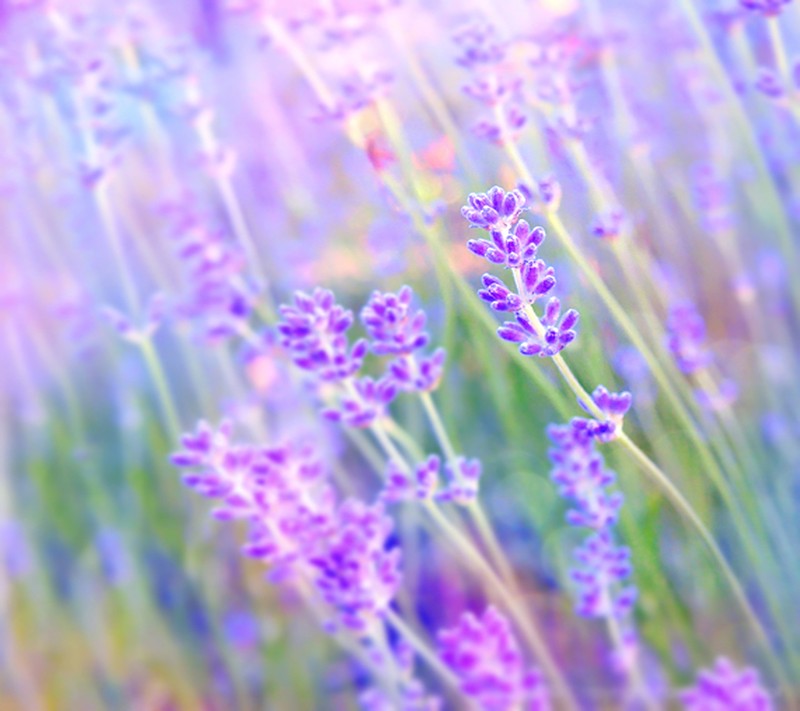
pixel 462 476
pixel 614 407
pixel 544 197
pixel 490 84
pixel 395 329
pixel 420 485
pixel 514 245
pixel 724 688
pixel 557 334
pixel 314 330
pixel 602 566
pixel 413 696
pixel 419 374
pixel 608 226
pixel 686 337
pixel 367 402
pixel 356 571
pixel 768 8
pixel 486 657
pixel 295 525
pixel 580 474
pixel 279 491
pixel 218 298
pixel 513 240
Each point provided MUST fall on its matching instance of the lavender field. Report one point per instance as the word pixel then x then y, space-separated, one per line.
pixel 399 355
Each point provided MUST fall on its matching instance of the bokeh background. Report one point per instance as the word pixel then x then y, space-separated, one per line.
pixel 172 172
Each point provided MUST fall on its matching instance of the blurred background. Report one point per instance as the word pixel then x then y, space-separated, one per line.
pixel 172 172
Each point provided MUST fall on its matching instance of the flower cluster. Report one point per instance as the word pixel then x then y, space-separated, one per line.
pixel 491 84
pixel 314 330
pixel 514 245
pixel 581 476
pixel 462 476
pixel 296 526
pixel 394 328
pixel 217 297
pixel 725 688
pixel 486 657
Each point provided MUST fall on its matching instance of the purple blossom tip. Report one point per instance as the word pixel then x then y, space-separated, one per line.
pixel 314 329
pixel 725 688
pixel 393 327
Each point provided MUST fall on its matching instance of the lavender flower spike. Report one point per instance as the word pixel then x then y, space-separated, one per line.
pixel 514 245
pixel 724 688
pixel 392 326
pixel 395 329
pixel 485 656
pixel 314 330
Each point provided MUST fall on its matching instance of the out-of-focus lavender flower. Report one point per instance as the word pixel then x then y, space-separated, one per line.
pixel 723 397
pixel 365 403
pixel 462 477
pixel 392 326
pixel 602 566
pixel 491 84
pixel 413 696
pixel 486 657
pixel 725 688
pixel 282 490
pixel 769 83
pixel 396 329
pixel 712 197
pixel 127 330
pixel 356 571
pixel 420 374
pixel 608 225
pixel 686 337
pixel 479 45
pixel 543 197
pixel 768 8
pixel 242 629
pixel 113 557
pixel 15 553
pixel 218 296
pixel 580 475
pixel 295 525
pixel 420 485
pixel 314 330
